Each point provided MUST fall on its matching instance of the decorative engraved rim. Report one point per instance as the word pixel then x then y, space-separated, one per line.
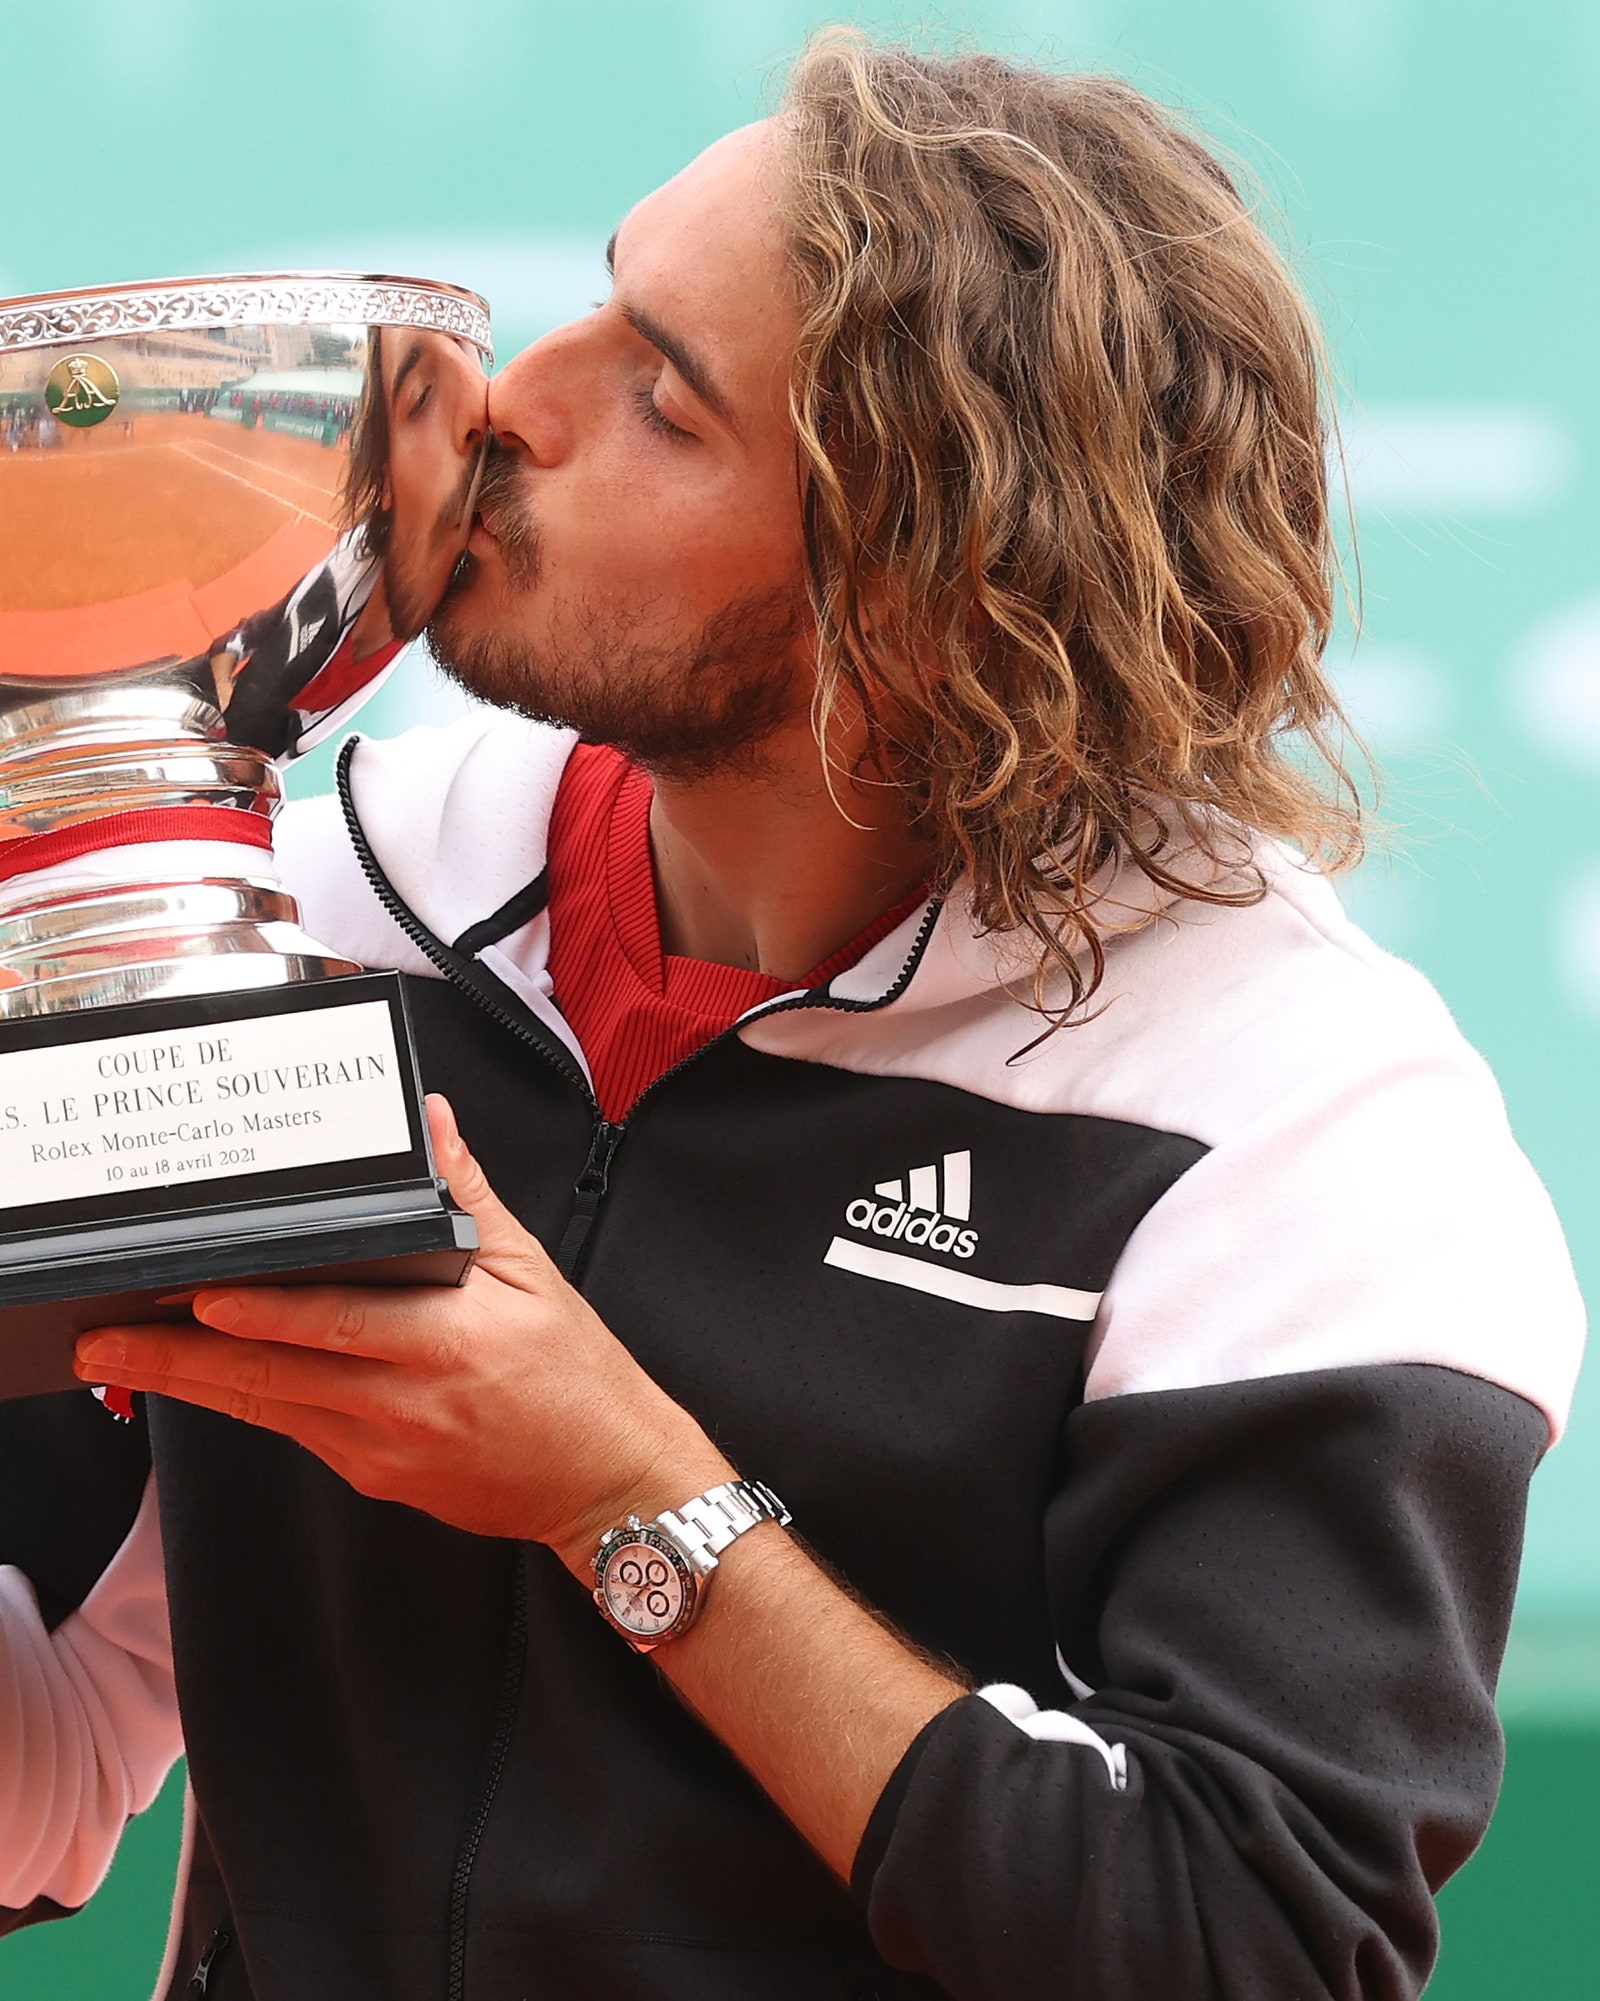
pixel 268 298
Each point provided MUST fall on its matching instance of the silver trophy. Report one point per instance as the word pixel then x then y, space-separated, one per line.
pixel 227 504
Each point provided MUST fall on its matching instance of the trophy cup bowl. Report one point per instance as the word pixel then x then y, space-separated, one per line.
pixel 228 503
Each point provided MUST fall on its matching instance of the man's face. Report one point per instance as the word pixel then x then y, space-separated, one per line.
pixel 637 565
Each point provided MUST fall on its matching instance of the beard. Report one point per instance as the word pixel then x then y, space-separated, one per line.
pixel 682 706
pixel 411 573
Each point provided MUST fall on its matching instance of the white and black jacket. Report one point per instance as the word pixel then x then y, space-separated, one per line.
pixel 1179 1378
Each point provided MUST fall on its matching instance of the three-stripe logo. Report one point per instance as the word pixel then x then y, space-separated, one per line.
pixel 926 1206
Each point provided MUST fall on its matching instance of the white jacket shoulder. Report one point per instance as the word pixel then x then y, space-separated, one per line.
pixel 456 818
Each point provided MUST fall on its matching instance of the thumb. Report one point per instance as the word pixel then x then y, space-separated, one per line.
pixel 506 1249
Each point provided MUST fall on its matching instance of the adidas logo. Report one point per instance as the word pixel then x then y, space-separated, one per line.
pixel 927 1207
pixel 930 1207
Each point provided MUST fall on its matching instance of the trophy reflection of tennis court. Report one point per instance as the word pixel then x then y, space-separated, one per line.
pixel 106 520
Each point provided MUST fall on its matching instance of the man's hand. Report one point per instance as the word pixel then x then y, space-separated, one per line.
pixel 504 1406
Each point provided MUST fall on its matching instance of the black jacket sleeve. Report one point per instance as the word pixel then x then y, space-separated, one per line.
pixel 71 1480
pixel 1290 1597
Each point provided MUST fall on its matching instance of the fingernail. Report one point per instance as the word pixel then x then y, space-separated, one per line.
pixel 177 1298
pixel 220 1310
pixel 103 1351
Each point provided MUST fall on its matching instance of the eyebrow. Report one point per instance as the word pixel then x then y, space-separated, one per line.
pixel 693 371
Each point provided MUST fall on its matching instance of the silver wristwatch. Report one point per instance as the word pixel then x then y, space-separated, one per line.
pixel 650 1577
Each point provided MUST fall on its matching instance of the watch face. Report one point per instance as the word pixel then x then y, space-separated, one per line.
pixel 643 1587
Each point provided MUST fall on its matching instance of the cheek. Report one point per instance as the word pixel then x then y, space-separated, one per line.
pixel 681 532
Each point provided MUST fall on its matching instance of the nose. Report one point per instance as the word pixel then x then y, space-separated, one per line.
pixel 531 402
pixel 466 399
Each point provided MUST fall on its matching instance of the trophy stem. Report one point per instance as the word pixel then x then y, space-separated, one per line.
pixel 146 940
pixel 88 774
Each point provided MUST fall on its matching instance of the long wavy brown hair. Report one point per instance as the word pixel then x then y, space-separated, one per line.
pixel 1064 480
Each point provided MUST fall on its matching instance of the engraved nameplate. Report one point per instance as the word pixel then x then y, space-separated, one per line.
pixel 200 1103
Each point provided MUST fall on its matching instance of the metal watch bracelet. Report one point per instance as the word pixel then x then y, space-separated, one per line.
pixel 706 1525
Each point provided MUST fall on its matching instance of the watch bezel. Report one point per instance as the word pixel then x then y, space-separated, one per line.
pixel 627 1536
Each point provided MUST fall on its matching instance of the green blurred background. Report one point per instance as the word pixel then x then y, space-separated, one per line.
pixel 1435 169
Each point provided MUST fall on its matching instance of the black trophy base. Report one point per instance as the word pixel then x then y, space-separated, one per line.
pixel 118 1276
pixel 165 1219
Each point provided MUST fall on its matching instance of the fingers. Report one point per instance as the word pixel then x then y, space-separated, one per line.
pixel 334 1436
pixel 260 1384
pixel 418 1325
pixel 506 1248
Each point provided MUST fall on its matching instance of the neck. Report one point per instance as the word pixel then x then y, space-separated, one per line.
pixel 767 869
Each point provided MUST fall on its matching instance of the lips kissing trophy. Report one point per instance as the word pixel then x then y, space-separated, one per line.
pixel 227 503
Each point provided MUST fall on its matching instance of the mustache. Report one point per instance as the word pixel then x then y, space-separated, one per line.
pixel 503 506
pixel 455 517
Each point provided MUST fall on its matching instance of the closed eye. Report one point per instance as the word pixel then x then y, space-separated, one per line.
pixel 650 411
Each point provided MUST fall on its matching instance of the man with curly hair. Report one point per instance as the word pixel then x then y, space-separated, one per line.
pixel 913 1066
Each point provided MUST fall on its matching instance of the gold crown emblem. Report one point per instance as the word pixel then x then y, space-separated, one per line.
pixel 82 390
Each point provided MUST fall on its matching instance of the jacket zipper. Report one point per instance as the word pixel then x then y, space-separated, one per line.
pixel 605 1138
pixel 200 1979
pixel 505 1723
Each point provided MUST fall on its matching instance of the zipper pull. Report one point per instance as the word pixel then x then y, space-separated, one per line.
pixel 603 1144
pixel 589 1193
pixel 200 1979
